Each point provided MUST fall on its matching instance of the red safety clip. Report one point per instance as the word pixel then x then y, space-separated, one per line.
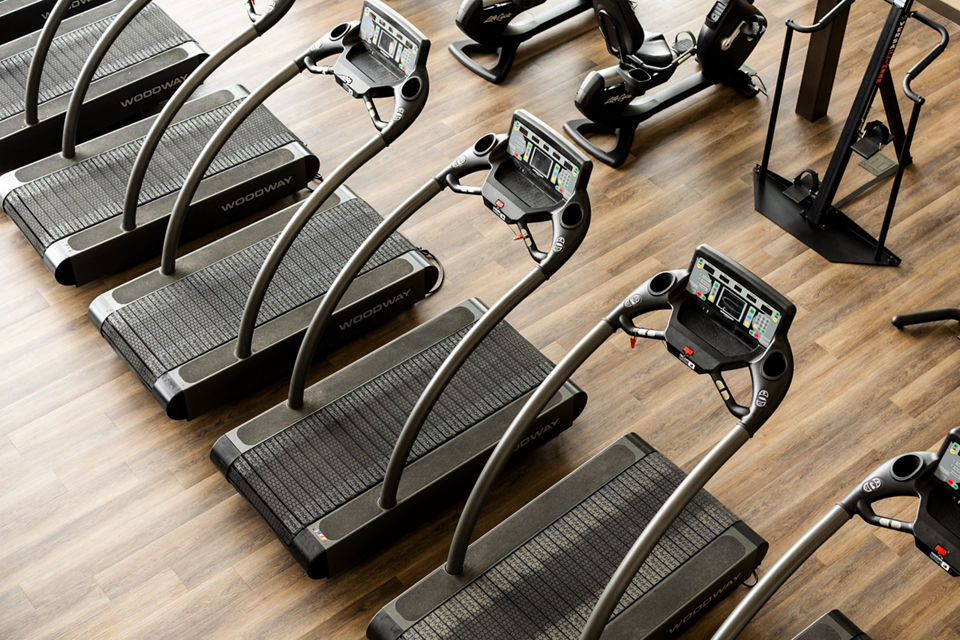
pixel 519 236
pixel 633 342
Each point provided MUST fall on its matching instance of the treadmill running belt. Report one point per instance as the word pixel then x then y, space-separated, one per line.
pixel 194 314
pixel 547 587
pixel 150 33
pixel 333 455
pixel 92 190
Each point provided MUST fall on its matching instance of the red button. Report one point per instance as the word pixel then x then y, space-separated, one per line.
pixel 688 351
pixel 499 204
pixel 940 550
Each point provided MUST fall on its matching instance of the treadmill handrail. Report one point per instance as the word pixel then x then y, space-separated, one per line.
pixel 276 10
pixel 668 512
pixel 208 154
pixel 511 437
pixel 882 483
pixel 784 567
pixel 444 374
pixel 663 291
pixel 486 154
pixel 336 291
pixel 39 60
pixel 90 66
pixel 409 96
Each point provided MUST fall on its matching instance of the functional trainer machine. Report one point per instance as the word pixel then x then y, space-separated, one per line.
pixel 614 99
pixel 150 58
pixel 21 17
pixel 331 470
pixel 541 570
pixel 806 207
pixel 187 329
pixel 72 206
pixel 934 478
pixel 490 28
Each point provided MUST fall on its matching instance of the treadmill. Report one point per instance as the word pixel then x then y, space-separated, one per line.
pixel 150 58
pixel 20 17
pixel 489 27
pixel 934 478
pixel 539 573
pixel 179 327
pixel 832 626
pixel 360 457
pixel 71 206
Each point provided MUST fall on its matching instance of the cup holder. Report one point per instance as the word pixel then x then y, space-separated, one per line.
pixel 662 282
pixel 774 366
pixel 483 146
pixel 572 216
pixel 906 466
pixel 339 31
pixel 411 88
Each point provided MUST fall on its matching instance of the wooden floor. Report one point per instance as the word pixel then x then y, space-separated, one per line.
pixel 114 524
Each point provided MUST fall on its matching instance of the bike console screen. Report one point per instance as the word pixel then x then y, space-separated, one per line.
pixel 543 162
pixel 392 43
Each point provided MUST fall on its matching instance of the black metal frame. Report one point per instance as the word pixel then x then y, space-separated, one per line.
pixel 490 31
pixel 808 210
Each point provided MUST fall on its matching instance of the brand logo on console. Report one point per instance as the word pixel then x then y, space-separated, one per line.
pixel 499 17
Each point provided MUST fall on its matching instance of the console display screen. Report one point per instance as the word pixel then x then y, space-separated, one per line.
pixel 746 311
pixel 388 41
pixel 949 468
pixel 552 169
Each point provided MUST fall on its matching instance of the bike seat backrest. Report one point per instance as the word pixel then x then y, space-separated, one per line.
pixel 619 26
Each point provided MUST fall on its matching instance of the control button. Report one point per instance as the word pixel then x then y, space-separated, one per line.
pixel 499 204
pixel 688 351
pixel 940 550
pixel 725 394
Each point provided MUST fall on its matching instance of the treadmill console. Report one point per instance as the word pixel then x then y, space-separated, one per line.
pixel 746 310
pixel 937 529
pixel 391 41
pixel 726 315
pixel 541 160
pixel 538 173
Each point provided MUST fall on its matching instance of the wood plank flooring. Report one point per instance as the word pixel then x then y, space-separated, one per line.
pixel 114 524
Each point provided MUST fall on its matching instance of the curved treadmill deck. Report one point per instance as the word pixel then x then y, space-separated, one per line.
pixel 70 210
pixel 178 333
pixel 540 572
pixel 141 70
pixel 315 475
pixel 21 17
